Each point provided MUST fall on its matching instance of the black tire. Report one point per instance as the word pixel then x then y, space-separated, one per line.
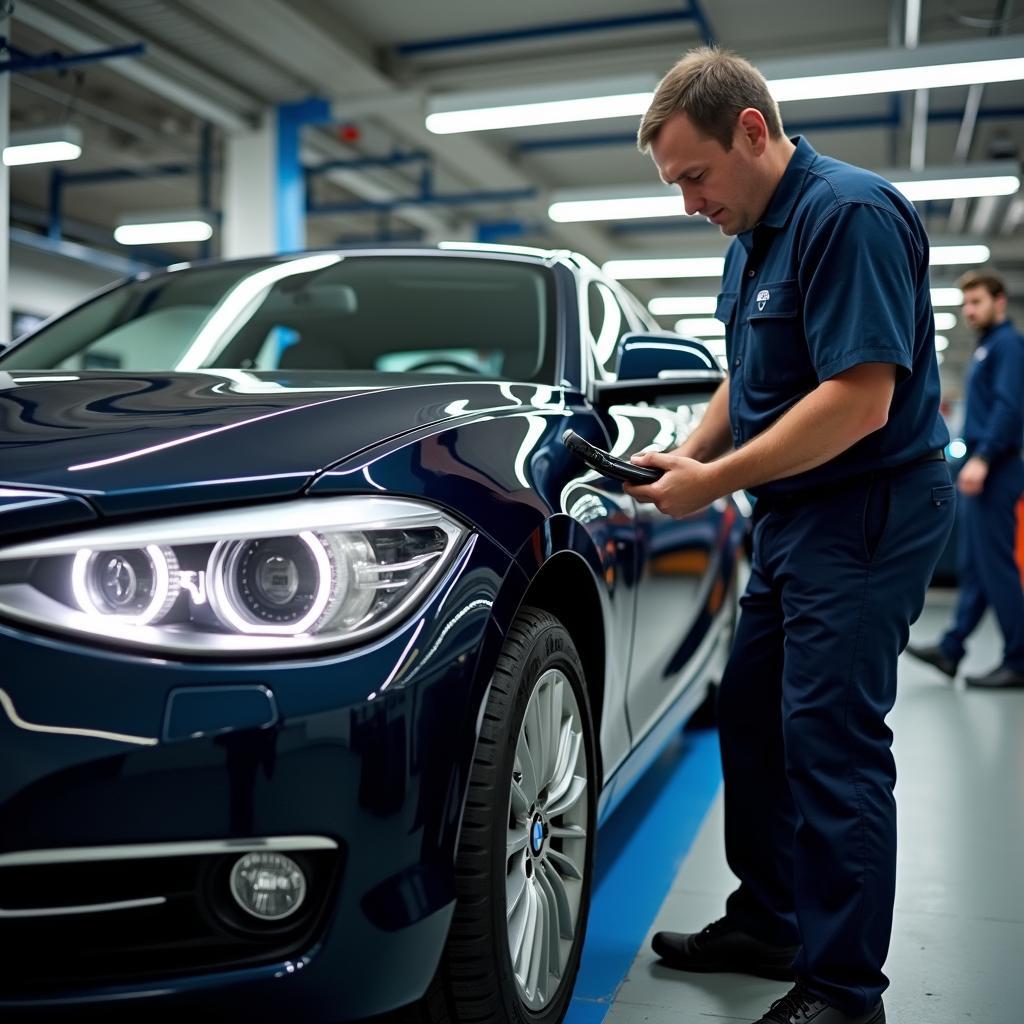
pixel 475 982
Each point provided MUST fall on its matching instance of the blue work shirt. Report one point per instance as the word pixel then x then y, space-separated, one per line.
pixel 834 275
pixel 994 419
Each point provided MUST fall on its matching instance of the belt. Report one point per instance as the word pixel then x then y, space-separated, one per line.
pixel 791 499
pixel 936 456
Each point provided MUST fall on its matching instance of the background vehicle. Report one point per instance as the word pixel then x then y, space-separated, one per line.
pixel 323 658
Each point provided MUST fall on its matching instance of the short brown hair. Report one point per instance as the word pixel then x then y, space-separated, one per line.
pixel 711 86
pixel 987 279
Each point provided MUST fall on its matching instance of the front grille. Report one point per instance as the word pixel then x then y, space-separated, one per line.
pixel 195 927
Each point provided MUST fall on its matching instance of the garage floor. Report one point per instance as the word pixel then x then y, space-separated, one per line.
pixel 959 924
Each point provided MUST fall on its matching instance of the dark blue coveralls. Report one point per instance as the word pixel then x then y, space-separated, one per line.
pixel 835 275
pixel 993 428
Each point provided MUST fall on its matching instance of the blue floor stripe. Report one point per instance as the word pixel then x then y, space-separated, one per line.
pixel 639 852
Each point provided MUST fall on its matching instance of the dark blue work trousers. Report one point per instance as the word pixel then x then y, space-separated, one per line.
pixel 810 816
pixel 987 573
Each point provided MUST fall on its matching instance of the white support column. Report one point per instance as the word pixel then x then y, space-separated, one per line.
pixel 5 193
pixel 250 192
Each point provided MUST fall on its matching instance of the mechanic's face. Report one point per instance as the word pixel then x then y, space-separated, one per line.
pixel 982 310
pixel 728 187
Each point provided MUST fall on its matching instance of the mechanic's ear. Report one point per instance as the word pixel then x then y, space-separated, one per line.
pixel 753 130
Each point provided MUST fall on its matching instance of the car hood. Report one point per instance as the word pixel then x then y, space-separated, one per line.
pixel 132 442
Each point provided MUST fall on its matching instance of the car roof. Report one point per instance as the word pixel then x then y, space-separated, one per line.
pixel 474 250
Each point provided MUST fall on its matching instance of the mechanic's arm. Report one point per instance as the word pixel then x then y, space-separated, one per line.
pixel 833 417
pixel 713 435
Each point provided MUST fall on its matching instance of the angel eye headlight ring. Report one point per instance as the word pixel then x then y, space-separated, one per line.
pixel 272 585
pixel 138 586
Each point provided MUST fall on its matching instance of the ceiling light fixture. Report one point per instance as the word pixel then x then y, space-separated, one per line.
pixel 628 202
pixel 163 232
pixel 642 269
pixel 43 145
pixel 935 66
pixel 947 297
pixel 676 305
pixel 945 321
pixel 953 255
pixel 700 328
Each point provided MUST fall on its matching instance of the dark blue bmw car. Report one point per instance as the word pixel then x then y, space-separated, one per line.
pixel 321 658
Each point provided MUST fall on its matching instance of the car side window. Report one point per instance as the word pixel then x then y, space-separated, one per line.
pixel 608 322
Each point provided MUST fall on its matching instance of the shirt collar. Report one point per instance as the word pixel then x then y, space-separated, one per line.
pixel 1006 325
pixel 788 190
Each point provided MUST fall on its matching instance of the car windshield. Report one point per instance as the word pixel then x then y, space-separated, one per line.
pixel 326 311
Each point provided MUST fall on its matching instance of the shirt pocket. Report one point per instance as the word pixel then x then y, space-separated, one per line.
pixel 776 353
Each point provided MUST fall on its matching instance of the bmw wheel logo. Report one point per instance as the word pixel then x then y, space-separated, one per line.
pixel 537 837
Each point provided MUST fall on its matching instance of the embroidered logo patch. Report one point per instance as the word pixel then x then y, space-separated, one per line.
pixel 762 299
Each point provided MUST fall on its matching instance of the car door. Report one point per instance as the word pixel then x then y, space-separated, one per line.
pixel 679 570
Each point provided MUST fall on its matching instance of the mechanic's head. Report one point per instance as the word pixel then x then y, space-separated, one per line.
pixel 984 303
pixel 714 130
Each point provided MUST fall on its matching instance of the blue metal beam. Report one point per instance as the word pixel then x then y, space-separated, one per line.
pixel 128 173
pixel 149 255
pixel 443 199
pixel 360 163
pixel 205 179
pixel 557 28
pixel 291 181
pixel 36 62
pixel 74 251
pixel 703 25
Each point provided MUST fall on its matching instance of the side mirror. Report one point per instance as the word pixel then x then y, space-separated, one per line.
pixel 652 364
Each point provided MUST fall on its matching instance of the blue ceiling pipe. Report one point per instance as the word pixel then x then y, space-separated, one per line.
pixel 21 60
pixel 433 199
pixel 693 12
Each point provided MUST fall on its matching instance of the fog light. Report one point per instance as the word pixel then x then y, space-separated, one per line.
pixel 269 886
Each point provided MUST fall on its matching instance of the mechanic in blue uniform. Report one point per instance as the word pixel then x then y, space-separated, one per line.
pixel 991 482
pixel 830 415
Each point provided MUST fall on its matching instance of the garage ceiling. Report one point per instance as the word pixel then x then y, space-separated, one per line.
pixel 378 61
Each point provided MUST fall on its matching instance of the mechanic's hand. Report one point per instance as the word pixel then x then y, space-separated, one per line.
pixel 685 485
pixel 971 480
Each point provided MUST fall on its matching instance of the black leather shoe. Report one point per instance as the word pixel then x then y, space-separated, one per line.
pixel 998 678
pixel 798 1006
pixel 936 657
pixel 721 946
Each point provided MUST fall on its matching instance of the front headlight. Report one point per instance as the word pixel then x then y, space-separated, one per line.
pixel 303 574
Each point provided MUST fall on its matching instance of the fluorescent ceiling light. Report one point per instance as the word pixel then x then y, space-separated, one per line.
pixel 934 66
pixel 959 188
pixel 674 305
pixel 628 202
pixel 947 297
pixel 635 270
pixel 163 232
pixel 941 343
pixel 945 321
pixel 700 328
pixel 616 209
pixel 866 83
pixel 43 145
pixel 952 255
pixel 590 108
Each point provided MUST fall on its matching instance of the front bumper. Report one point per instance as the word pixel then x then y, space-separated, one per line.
pixel 364 754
